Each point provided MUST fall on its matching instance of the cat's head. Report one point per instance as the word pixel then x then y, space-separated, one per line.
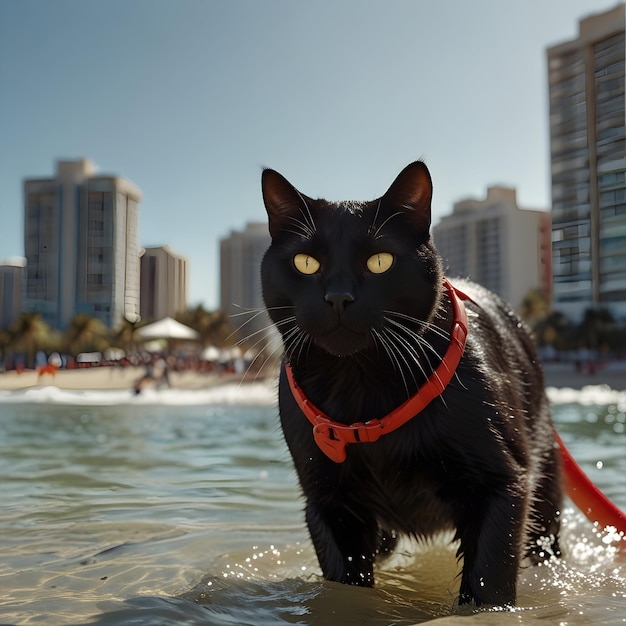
pixel 349 277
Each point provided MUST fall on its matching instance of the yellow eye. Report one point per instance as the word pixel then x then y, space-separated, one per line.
pixel 306 264
pixel 380 263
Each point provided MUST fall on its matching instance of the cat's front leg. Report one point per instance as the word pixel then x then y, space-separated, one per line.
pixel 491 545
pixel 346 544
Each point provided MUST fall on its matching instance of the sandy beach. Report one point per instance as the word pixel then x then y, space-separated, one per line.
pixel 112 378
pixel 560 375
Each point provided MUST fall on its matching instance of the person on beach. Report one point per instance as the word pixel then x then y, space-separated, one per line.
pixel 156 372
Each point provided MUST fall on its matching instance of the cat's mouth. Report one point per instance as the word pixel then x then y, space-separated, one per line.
pixel 343 341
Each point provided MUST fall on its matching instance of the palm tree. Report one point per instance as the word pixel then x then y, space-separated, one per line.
pixel 5 339
pixel 28 335
pixel 213 326
pixel 596 329
pixel 85 334
pixel 124 335
pixel 557 331
pixel 534 307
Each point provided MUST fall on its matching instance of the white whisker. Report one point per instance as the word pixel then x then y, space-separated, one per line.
pixel 389 350
pixel 263 331
pixel 423 346
pixel 256 313
pixel 373 224
pixel 377 233
pixel 304 231
pixel 414 320
pixel 406 350
pixel 294 340
pixel 311 221
pixel 419 339
pixel 267 358
pixel 397 344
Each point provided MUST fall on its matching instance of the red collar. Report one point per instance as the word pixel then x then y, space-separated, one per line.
pixel 332 437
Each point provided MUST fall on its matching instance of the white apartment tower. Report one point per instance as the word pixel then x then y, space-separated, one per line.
pixel 81 245
pixel 163 283
pixel 498 245
pixel 241 299
pixel 588 159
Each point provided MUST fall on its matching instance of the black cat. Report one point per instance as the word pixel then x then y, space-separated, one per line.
pixel 459 434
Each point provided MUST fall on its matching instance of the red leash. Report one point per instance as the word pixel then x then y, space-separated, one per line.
pixel 586 496
pixel 332 437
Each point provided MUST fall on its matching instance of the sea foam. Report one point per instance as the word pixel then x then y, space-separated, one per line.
pixel 591 395
pixel 259 393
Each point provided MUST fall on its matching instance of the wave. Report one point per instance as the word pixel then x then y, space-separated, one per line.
pixel 259 393
pixel 590 395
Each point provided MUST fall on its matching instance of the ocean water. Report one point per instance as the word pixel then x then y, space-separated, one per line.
pixel 181 507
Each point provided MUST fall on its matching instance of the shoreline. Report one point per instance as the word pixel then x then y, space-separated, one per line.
pixel 558 375
pixel 566 376
pixel 113 378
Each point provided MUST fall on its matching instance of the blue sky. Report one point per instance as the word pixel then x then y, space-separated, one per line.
pixel 189 99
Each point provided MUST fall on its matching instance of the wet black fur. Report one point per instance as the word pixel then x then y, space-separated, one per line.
pixel 479 460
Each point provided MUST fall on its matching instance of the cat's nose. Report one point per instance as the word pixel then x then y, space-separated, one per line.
pixel 339 301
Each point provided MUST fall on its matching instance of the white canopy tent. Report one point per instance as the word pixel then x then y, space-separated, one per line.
pixel 167 328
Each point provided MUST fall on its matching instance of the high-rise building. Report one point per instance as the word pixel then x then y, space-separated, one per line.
pixel 163 283
pixel 498 245
pixel 81 245
pixel 588 158
pixel 241 299
pixel 11 273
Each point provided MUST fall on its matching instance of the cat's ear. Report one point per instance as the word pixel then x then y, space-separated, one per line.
pixel 412 191
pixel 283 202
